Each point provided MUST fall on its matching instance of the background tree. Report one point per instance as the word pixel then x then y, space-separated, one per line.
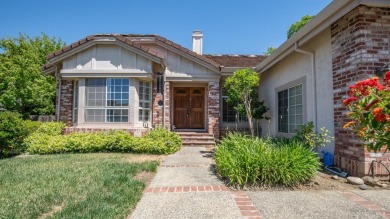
pixel 298 25
pixel 23 86
pixel 269 51
pixel 241 90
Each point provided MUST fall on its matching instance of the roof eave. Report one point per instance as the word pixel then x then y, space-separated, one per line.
pixel 331 13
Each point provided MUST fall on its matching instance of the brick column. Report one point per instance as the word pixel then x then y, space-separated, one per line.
pixel 66 102
pixel 158 111
pixel 360 43
pixel 213 108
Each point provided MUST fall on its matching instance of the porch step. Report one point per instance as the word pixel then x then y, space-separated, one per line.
pixel 197 139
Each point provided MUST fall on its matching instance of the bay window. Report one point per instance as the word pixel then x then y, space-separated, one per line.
pixel 107 100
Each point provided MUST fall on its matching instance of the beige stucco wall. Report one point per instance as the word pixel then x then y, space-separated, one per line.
pixel 299 66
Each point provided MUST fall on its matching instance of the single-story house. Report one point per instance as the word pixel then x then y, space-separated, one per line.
pixel 307 77
pixel 136 82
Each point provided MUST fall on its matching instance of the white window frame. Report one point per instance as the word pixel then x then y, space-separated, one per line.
pixel 144 101
pixel 105 108
pixel 300 81
pixel 289 131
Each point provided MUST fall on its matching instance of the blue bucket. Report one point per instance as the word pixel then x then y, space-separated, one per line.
pixel 328 159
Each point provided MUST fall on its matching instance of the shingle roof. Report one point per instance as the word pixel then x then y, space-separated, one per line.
pixel 174 45
pixel 135 40
pixel 237 60
pixel 94 37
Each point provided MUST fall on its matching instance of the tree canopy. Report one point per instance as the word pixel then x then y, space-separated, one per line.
pixel 23 86
pixel 298 25
pixel 241 89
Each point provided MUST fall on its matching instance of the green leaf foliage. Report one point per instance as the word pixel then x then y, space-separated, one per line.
pixel 295 27
pixel 241 89
pixel 49 140
pixel 23 86
pixel 252 161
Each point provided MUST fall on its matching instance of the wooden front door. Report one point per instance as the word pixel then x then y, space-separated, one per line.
pixel 188 107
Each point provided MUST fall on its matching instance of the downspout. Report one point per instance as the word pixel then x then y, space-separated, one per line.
pixel 59 93
pixel 314 82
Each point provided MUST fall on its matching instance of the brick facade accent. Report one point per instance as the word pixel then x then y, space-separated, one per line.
pixel 360 44
pixel 158 110
pixel 133 131
pixel 213 108
pixel 66 104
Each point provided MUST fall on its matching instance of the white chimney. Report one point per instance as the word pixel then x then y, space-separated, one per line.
pixel 197 41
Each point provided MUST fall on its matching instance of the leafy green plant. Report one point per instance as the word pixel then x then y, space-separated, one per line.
pixel 253 161
pixel 48 140
pixel 24 88
pixel 12 133
pixel 306 134
pixel 295 27
pixel 241 90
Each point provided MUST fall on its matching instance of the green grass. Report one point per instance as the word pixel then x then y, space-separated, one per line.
pixel 70 186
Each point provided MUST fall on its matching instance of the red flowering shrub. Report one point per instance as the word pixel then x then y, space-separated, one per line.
pixel 369 105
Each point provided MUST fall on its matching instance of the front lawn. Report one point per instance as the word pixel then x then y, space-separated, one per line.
pixel 72 185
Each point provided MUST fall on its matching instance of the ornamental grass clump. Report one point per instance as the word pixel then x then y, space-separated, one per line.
pixel 369 105
pixel 251 161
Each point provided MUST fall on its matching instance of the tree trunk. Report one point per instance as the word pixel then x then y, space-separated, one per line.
pixel 247 105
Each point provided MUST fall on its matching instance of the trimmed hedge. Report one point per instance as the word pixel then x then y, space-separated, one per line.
pixel 261 162
pixel 48 140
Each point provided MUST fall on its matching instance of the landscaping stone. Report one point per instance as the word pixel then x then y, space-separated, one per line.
pixel 335 177
pixel 355 180
pixel 383 185
pixel 370 181
pixel 363 187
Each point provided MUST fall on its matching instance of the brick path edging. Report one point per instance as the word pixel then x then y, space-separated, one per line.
pixel 240 198
pixel 367 204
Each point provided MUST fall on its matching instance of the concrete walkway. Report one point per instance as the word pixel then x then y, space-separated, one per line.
pixel 185 186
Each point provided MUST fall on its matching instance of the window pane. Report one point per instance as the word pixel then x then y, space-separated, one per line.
pixel 144 92
pixel 94 115
pixel 95 92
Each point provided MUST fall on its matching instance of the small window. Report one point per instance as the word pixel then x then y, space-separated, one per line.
pixel 290 109
pixel 181 91
pixel 160 84
pixel 229 114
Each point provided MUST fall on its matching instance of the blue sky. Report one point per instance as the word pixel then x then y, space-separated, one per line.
pixel 229 27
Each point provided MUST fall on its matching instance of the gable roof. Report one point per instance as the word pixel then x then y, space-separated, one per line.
pixel 120 38
pixel 133 40
pixel 237 60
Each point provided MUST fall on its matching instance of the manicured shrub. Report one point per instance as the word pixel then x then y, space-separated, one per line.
pixel 252 161
pixel 51 128
pixel 162 141
pixel 32 126
pixel 158 141
pixel 12 133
